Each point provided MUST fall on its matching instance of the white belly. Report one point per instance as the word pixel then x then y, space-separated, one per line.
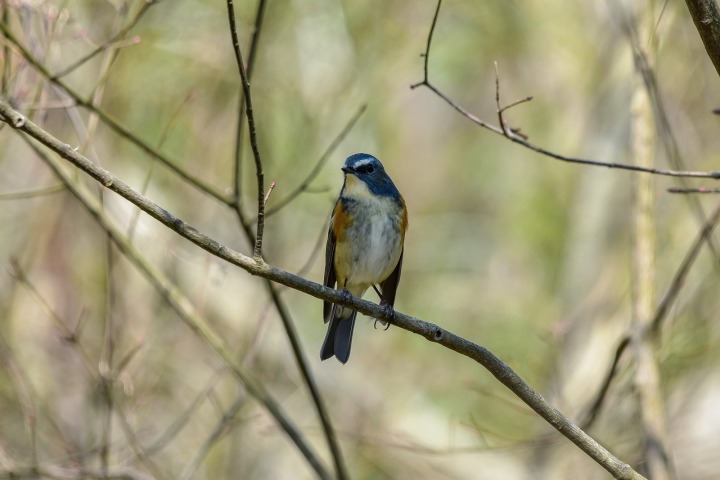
pixel 380 253
pixel 370 250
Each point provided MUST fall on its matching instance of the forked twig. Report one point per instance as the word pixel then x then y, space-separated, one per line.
pixel 525 143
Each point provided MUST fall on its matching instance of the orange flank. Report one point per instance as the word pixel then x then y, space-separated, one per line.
pixel 340 222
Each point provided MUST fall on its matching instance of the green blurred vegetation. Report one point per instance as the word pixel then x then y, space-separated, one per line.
pixel 517 252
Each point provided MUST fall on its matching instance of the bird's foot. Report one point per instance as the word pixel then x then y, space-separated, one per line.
pixel 388 312
pixel 345 296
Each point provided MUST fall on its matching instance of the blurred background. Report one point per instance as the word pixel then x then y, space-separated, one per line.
pixel 525 255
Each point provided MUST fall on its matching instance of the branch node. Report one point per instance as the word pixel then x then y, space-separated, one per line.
pixel 18 121
pixel 438 335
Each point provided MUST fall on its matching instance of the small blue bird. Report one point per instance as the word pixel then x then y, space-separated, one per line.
pixel 364 246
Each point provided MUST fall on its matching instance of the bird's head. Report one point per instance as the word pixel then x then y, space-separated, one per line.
pixel 365 172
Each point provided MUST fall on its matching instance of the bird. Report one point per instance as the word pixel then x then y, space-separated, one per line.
pixel 365 246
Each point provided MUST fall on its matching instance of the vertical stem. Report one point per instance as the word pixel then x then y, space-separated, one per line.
pixel 106 363
pixel 254 42
pixel 249 113
pixel 647 379
pixel 5 79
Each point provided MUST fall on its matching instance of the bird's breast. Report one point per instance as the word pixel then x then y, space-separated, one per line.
pixel 371 245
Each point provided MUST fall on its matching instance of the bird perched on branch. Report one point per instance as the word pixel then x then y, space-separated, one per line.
pixel 364 246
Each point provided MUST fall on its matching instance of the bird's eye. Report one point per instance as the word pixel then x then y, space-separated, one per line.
pixel 369 169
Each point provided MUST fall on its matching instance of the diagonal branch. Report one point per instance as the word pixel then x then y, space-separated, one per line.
pixel 119 35
pixel 256 266
pixel 182 306
pixel 706 16
pixel 660 314
pixel 113 124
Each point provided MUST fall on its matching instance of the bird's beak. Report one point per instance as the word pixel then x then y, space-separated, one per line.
pixel 349 170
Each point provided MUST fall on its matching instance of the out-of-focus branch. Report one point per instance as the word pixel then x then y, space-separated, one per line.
pixel 38 192
pixel 597 404
pixel 113 124
pixel 693 190
pixel 660 314
pixel 666 135
pixel 109 43
pixel 182 306
pixel 318 166
pixel 256 266
pixel 510 133
pixel 223 426
pixel 706 16
pixel 7 61
pixel 656 457
pixel 256 239
pixel 681 274
pixel 58 473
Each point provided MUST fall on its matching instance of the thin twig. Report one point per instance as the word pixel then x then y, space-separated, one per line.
pixel 303 187
pixel 107 373
pixel 288 324
pixel 223 426
pixel 182 306
pixel 254 44
pixel 681 274
pixel 110 42
pixel 260 227
pixel 140 452
pixel 694 190
pixel 182 420
pixel 69 336
pixel 520 140
pixel 26 398
pixel 25 194
pixel 666 133
pixel 597 404
pixel 426 55
pixel 499 111
pixel 660 314
pixel 255 266
pixel 114 125
pixel 7 60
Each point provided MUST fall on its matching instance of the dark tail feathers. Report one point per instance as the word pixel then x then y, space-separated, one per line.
pixel 338 339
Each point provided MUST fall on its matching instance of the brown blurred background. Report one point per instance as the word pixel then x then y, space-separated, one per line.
pixel 520 253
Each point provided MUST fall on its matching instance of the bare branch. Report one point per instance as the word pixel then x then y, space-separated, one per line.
pixel 694 190
pixel 678 280
pixel 254 44
pixel 597 404
pixel 182 306
pixel 520 140
pixel 706 16
pixel 113 124
pixel 256 266
pixel 109 43
pixel 259 230
pixel 288 324
pixel 38 192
